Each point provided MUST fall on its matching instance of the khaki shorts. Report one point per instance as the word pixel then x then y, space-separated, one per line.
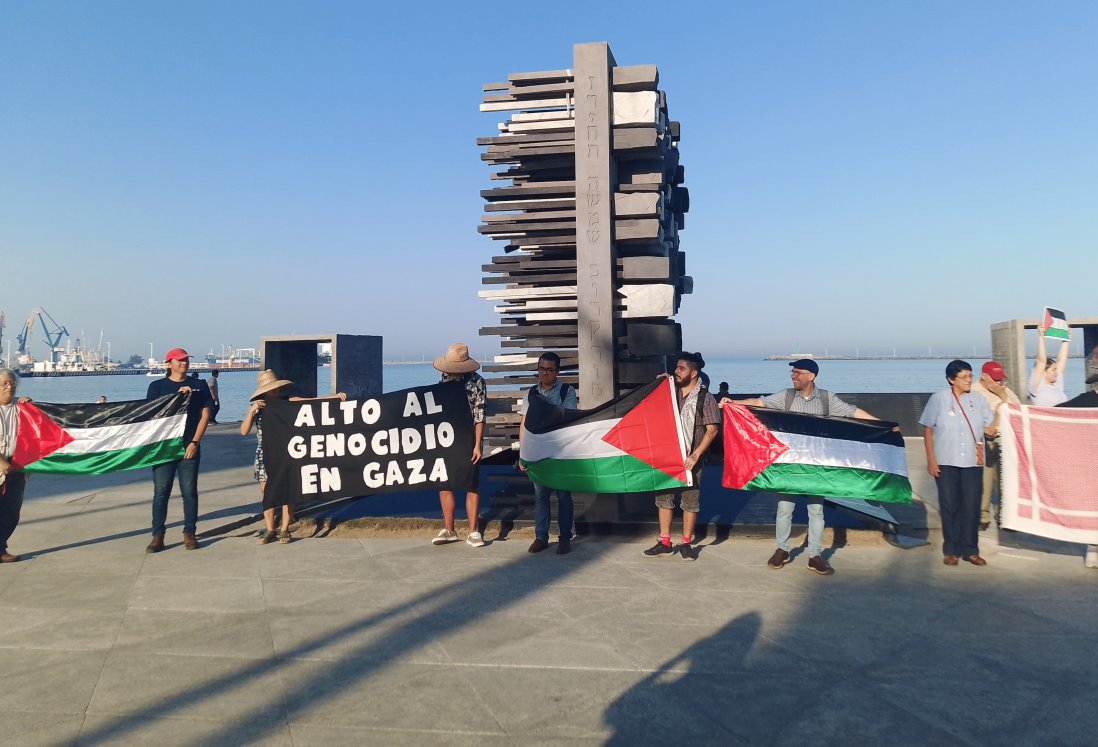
pixel 689 498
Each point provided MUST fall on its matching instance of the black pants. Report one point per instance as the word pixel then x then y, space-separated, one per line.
pixel 11 501
pixel 959 490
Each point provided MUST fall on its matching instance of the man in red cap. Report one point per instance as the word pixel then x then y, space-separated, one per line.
pixel 992 386
pixel 198 415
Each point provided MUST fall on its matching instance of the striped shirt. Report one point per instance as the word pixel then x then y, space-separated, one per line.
pixel 813 405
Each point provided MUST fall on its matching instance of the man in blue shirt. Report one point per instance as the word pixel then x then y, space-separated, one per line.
pixel 198 415
pixel 563 395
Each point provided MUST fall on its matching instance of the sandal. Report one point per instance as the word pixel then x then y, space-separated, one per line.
pixel 265 537
pixel 284 536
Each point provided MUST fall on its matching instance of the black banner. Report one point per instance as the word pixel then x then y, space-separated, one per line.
pixel 414 439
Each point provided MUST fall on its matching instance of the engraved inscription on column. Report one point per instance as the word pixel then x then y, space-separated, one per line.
pixel 594 241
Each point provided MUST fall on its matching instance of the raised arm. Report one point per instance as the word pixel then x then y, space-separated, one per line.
pixel 1039 364
pixel 749 402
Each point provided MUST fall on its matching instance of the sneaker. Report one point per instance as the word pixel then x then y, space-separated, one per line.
pixel 1092 557
pixel 686 551
pixel 265 537
pixel 157 543
pixel 537 545
pixel 444 537
pixel 189 541
pixel 820 565
pixel 659 549
pixel 564 547
pixel 778 559
pixel 474 540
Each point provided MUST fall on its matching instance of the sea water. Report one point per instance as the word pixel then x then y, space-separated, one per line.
pixel 744 376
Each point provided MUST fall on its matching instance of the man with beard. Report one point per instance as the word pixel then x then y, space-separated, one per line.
pixel 804 397
pixel 700 417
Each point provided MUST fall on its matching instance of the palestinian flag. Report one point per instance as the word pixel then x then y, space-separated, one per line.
pixel 631 444
pixel 91 439
pixel 1056 325
pixel 775 451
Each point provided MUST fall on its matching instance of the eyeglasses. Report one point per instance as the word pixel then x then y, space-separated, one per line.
pixel 546 370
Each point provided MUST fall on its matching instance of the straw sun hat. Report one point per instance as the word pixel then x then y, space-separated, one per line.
pixel 267 381
pixel 456 360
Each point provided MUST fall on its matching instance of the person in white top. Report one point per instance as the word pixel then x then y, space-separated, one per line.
pixel 1046 383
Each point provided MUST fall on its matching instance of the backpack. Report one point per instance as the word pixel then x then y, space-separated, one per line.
pixel 565 387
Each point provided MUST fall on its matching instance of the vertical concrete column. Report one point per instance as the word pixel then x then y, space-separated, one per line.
pixel 595 255
pixel 1008 347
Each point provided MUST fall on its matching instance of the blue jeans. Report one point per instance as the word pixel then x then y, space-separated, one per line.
pixel 783 524
pixel 163 477
pixel 541 513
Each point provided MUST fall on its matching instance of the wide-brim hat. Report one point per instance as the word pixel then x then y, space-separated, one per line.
pixel 456 360
pixel 267 381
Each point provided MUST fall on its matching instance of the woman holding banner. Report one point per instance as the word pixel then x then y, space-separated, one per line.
pixel 271 388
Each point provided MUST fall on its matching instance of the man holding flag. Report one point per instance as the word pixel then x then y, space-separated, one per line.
pixel 804 397
pixel 557 393
pixel 12 479
pixel 700 416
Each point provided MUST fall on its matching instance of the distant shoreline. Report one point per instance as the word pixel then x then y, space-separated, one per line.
pixel 886 357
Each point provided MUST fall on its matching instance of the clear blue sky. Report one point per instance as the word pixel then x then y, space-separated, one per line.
pixel 870 175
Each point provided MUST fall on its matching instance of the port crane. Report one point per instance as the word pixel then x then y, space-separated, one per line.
pixel 51 330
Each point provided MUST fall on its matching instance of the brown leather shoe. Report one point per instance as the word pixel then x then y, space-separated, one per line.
pixel 820 565
pixel 778 559
pixel 537 545
pixel 950 560
pixel 157 543
pixel 975 560
pixel 189 541
pixel 7 557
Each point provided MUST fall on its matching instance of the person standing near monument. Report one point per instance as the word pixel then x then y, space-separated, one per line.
pixel 700 417
pixel 555 392
pixel 955 421
pixel 1046 383
pixel 456 365
pixel 992 386
pixel 178 362
pixel 804 397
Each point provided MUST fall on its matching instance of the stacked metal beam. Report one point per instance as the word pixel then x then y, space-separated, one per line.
pixel 542 292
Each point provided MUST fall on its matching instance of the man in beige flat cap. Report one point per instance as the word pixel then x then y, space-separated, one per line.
pixel 456 365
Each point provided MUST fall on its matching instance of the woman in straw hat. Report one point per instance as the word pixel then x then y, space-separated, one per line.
pixel 456 365
pixel 270 388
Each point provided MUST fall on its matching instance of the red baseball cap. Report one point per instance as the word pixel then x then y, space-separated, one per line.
pixel 176 354
pixel 994 370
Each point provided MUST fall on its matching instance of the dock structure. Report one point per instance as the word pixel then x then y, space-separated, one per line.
pixel 589 206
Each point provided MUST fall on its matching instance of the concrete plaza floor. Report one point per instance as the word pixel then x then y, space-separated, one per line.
pixel 392 640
